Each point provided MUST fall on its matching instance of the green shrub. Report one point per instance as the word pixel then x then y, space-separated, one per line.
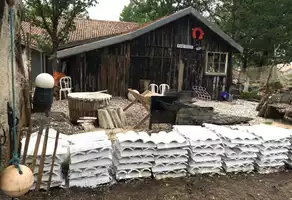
pixel 250 95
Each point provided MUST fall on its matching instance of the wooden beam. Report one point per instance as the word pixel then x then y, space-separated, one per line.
pixel 180 75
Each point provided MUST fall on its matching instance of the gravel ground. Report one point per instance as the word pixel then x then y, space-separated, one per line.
pixel 60 106
pixel 134 114
pixel 137 111
pixel 238 108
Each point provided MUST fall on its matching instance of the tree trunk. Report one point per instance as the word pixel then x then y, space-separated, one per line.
pixel 54 61
pixel 244 62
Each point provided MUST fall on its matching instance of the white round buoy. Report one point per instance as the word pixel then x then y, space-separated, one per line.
pixel 131 97
pixel 14 184
pixel 44 80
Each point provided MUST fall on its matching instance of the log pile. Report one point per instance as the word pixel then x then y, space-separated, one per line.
pixel 111 117
pixel 276 106
pixel 87 123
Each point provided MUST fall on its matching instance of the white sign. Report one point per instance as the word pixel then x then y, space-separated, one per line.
pixel 184 46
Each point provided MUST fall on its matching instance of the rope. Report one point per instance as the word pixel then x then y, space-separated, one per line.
pixel 15 159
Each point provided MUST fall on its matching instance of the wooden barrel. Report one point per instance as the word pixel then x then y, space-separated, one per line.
pixel 86 104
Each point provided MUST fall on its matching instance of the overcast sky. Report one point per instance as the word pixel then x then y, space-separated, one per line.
pixel 108 9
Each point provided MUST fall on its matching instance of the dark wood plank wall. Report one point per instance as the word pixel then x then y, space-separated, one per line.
pixel 153 56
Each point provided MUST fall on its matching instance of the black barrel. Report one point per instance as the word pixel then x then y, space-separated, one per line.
pixel 42 100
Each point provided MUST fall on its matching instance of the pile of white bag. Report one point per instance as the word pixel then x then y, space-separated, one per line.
pixel 90 159
pixel 133 155
pixel 205 149
pixel 274 147
pixel 171 155
pixel 289 160
pixel 62 156
pixel 241 148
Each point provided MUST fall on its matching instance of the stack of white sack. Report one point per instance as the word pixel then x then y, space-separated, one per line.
pixel 171 155
pixel 205 149
pixel 273 151
pixel 133 155
pixel 241 148
pixel 90 159
pixel 62 156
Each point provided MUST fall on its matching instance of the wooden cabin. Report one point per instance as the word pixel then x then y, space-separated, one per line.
pixel 182 50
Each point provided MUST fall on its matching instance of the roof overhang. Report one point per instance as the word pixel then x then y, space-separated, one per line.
pixel 157 24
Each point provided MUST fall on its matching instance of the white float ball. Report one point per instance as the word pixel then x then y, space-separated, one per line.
pixel 44 80
pixel 14 184
pixel 131 97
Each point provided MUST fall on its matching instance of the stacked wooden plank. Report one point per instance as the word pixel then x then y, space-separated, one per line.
pixel 241 148
pixel 273 151
pixel 90 159
pixel 205 149
pixel 133 155
pixel 171 156
pixel 62 156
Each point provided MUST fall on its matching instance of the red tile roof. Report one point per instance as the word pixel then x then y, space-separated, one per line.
pixel 86 29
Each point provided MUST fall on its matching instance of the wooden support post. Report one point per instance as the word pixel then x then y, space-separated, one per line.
pixel 42 161
pixel 53 161
pixel 37 144
pixel 180 75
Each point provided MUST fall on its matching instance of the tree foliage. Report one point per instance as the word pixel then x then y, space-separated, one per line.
pixel 56 17
pixel 142 11
pixel 262 27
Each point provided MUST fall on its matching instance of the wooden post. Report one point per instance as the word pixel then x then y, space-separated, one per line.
pixel 180 75
pixel 42 161
pixel 37 144
pixel 53 161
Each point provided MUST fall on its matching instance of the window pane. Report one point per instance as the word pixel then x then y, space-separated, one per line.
pixel 210 58
pixel 223 58
pixel 222 68
pixel 217 67
pixel 217 58
pixel 210 68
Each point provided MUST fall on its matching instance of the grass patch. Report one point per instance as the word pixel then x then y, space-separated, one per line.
pixel 250 96
pixel 268 122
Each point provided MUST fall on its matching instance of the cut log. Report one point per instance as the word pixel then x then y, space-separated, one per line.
pixel 87 123
pixel 86 104
pixel 112 117
pixel 263 109
pixel 87 126
pixel 276 111
pixel 262 102
pixel 88 118
pixel 131 97
pixel 276 106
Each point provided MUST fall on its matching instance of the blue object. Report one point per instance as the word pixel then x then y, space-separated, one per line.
pixel 224 96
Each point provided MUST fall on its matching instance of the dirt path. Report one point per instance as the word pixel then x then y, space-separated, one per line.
pixel 230 187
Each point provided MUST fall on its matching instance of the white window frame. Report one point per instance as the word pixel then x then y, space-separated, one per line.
pixel 207 62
